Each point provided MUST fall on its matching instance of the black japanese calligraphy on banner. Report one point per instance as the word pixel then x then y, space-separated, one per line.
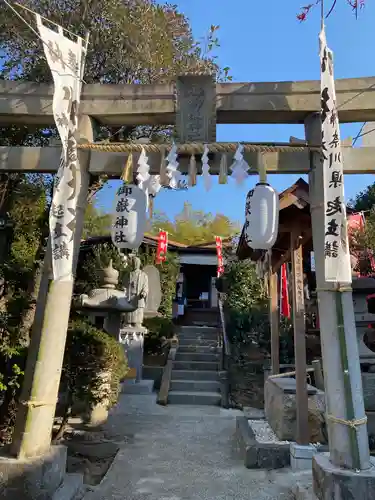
pixel 65 59
pixel 129 217
pixel 336 247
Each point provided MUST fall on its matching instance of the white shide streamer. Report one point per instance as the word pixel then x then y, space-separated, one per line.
pixel 206 169
pixel 239 166
pixel 173 173
pixel 66 60
pixel 150 184
pixel 337 266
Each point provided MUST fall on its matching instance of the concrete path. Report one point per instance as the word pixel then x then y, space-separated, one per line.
pixel 181 453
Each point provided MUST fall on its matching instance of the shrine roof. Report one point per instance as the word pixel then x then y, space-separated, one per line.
pixel 152 240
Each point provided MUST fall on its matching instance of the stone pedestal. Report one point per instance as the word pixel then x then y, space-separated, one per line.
pixel 333 483
pixel 301 456
pixel 32 478
pixel 132 338
pixel 280 409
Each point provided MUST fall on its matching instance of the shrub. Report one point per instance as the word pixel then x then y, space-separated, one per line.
pixel 88 353
pixel 159 329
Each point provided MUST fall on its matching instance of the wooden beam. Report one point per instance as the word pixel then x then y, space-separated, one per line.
pixel 303 434
pixel 274 322
pixel 250 102
pixel 36 159
pixel 288 254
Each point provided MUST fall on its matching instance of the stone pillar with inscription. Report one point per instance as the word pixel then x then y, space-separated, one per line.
pixel 335 473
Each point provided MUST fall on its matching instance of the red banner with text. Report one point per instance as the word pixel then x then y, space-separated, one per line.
pixel 284 293
pixel 161 251
pixel 219 251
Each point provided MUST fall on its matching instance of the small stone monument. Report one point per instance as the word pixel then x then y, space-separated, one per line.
pixel 154 291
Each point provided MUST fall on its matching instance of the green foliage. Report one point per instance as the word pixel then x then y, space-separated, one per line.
pixel 245 291
pixel 88 277
pixel 159 330
pixel 247 312
pixel 90 352
pixel 21 253
pixel 193 227
pixel 96 223
pixel 365 200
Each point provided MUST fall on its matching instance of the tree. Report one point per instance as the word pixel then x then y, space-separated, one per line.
pixel 356 6
pixel 131 41
pixel 365 200
pixel 96 223
pixel 193 227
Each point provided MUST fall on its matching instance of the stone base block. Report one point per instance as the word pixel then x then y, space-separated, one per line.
pixel 301 456
pixel 257 455
pixel 70 489
pixel 301 492
pixel 134 387
pixel 33 479
pixel 333 483
pixel 281 412
pixel 253 413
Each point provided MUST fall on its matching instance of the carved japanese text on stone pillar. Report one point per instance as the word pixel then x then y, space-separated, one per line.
pixel 196 108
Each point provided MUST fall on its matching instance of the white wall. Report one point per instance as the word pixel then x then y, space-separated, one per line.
pixel 199 259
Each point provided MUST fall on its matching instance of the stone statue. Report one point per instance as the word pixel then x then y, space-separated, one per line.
pixel 136 290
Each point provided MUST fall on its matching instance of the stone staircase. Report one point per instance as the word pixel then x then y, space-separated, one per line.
pixel 195 373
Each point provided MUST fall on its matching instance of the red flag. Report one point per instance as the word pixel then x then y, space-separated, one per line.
pixel 219 251
pixel 161 251
pixel 284 294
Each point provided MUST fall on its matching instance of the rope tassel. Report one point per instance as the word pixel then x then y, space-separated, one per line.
pixel 127 173
pixel 150 207
pixel 192 171
pixel 223 173
pixel 164 179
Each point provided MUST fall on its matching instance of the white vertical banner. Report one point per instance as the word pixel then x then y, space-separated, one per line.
pixel 66 61
pixel 336 244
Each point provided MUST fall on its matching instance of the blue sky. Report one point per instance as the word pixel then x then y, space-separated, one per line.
pixel 263 41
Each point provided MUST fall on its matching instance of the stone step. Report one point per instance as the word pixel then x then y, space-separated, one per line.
pixel 198 349
pixel 70 488
pixel 197 356
pixel 195 342
pixel 195 375
pixel 195 386
pixel 194 398
pixel 198 335
pixel 195 365
pixel 185 330
pixel 141 387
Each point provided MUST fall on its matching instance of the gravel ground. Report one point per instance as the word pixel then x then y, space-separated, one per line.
pixel 182 453
pixel 264 433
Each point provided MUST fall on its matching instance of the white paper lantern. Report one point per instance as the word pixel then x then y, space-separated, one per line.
pixel 262 217
pixel 129 218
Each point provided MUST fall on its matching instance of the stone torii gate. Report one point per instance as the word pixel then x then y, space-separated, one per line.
pixel 194 104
